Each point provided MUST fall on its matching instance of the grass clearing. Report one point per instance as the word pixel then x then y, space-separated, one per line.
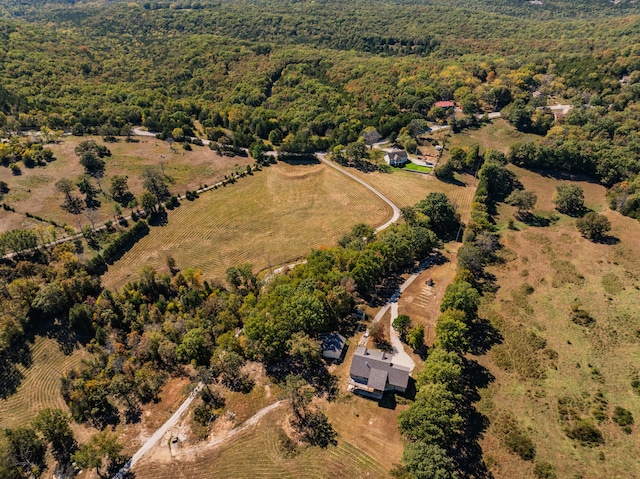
pixel 40 387
pixel 258 453
pixel 406 189
pixel 34 190
pixel 553 367
pixel 268 219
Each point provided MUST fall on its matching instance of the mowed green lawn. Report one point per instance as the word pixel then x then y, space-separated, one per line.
pixel 268 219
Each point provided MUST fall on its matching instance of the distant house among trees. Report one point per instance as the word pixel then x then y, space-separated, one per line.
pixel 332 345
pixel 396 157
pixel 372 373
pixel 445 104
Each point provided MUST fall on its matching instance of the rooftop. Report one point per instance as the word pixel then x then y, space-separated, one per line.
pixel 376 366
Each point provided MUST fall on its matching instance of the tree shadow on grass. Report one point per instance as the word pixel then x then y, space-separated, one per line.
pixel 65 337
pixel 10 377
pixel 484 336
pixel 532 219
pixel 608 240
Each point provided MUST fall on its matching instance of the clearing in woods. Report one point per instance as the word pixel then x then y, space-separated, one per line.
pixel 567 312
pixel 275 216
pixel 39 382
pixel 34 190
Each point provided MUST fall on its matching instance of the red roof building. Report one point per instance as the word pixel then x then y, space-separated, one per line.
pixel 445 104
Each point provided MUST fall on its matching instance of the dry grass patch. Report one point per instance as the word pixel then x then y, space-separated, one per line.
pixel 551 371
pixel 268 219
pixel 40 387
pixel 259 452
pixel 422 302
pixel 406 189
pixel 34 191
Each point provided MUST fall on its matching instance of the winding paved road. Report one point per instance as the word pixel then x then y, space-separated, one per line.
pixel 396 211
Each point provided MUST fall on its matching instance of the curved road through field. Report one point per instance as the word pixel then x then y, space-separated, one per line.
pixel 396 211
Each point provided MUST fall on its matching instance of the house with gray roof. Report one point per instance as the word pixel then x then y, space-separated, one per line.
pixel 373 372
pixel 396 157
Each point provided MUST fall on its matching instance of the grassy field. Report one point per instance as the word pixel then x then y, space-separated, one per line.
pixel 405 188
pixel 257 453
pixel 34 191
pixel 497 135
pixel 548 363
pixel 40 387
pixel 273 217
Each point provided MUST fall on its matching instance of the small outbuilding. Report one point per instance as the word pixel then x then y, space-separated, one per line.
pixel 396 157
pixel 332 345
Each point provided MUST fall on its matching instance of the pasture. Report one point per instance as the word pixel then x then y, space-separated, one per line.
pixel 34 190
pixel 554 366
pixel 268 219
pixel 406 189
pixel 40 384
pixel 262 451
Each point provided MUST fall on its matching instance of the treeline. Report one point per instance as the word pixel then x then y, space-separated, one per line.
pixel 248 84
pixel 441 427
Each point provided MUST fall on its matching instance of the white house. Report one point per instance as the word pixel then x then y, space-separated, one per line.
pixel 396 157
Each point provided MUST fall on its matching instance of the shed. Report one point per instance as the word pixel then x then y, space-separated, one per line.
pixel 332 345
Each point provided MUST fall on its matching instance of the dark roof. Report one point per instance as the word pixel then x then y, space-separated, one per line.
pixel 333 342
pixel 445 104
pixel 367 360
pixel 397 155
pixel 377 379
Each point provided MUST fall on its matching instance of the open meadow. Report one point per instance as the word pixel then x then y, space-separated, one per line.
pixel 273 217
pixel 34 190
pixel 566 309
pixel 39 385
pixel 264 451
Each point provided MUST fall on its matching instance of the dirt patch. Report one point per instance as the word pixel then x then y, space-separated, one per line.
pixel 420 301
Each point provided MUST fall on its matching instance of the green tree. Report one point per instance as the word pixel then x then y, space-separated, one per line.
pixel 72 203
pixel 102 452
pixel 402 324
pixel 194 347
pixel 428 461
pixel 452 331
pixel 443 218
pixel 443 367
pixel 22 453
pixel 92 163
pixel 156 182
pixel 569 199
pixel 149 202
pixel 305 349
pixel 433 417
pixel 462 296
pixel 119 190
pixel 53 424
pixel 593 226
pixel 444 171
pixel 415 337
pixel 523 200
